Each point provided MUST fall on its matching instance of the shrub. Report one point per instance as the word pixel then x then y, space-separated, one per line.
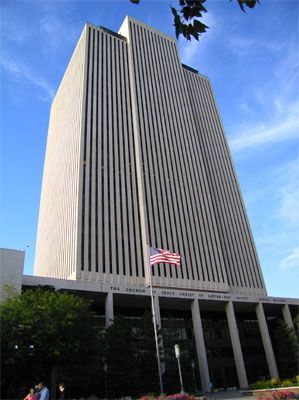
pixel 263 384
pixel 147 397
pixel 271 384
pixel 257 385
pixel 152 396
pixel 286 383
pixel 275 382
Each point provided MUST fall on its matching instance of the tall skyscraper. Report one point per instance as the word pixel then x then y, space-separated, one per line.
pixel 136 157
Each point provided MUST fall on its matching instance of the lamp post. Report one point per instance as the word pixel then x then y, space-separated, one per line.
pixel 178 355
pixel 105 378
pixel 194 376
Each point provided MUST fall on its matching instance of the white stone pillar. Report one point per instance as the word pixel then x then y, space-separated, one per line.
pixel 287 316
pixel 109 313
pixel 234 335
pixel 200 347
pixel 266 341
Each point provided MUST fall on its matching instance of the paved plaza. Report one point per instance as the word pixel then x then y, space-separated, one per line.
pixel 229 395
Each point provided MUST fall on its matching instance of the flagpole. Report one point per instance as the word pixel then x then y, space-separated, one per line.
pixel 155 330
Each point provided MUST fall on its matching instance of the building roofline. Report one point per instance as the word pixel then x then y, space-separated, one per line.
pixel 145 25
pixel 101 287
pixel 104 29
pixel 8 249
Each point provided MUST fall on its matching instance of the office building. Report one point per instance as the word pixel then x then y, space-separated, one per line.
pixel 137 157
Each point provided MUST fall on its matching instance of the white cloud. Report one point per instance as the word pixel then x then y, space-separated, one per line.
pixel 12 27
pixel 193 51
pixel 20 71
pixel 190 52
pixel 276 131
pixel 246 108
pixel 276 103
pixel 51 27
pixel 274 209
pixel 288 194
pixel 56 33
pixel 290 205
pixel 279 188
pixel 275 218
pixel 244 47
pixel 291 261
pixel 278 94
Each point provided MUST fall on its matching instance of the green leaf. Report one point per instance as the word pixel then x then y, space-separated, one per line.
pixel 248 3
pixel 199 27
pixel 42 328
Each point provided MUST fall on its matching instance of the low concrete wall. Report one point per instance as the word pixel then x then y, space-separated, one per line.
pixel 264 393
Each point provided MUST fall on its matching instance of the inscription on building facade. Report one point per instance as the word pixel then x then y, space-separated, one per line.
pixel 192 294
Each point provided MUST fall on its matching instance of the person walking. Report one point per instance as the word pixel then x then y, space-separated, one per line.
pixel 61 390
pixel 43 391
pixel 31 395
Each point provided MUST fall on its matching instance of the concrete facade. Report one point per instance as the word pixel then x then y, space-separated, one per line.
pixel 130 165
pixel 197 303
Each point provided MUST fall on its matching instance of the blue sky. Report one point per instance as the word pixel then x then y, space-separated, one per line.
pixel 252 61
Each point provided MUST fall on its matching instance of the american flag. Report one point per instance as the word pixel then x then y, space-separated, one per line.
pixel 163 256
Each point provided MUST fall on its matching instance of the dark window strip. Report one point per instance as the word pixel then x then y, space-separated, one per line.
pixel 141 131
pixel 110 151
pixel 209 211
pixel 151 146
pixel 126 163
pixel 90 154
pixel 171 139
pixel 84 155
pixel 97 160
pixel 227 188
pixel 210 173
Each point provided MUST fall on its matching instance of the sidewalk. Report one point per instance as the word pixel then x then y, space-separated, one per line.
pixel 229 395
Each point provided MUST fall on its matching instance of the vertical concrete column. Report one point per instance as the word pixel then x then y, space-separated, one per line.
pixel 287 316
pixel 200 347
pixel 266 341
pixel 234 335
pixel 109 313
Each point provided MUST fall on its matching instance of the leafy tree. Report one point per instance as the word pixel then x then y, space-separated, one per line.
pixel 130 353
pixel 119 354
pixel 43 333
pixel 148 377
pixel 172 335
pixel 187 18
pixel 286 349
pixel 296 323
